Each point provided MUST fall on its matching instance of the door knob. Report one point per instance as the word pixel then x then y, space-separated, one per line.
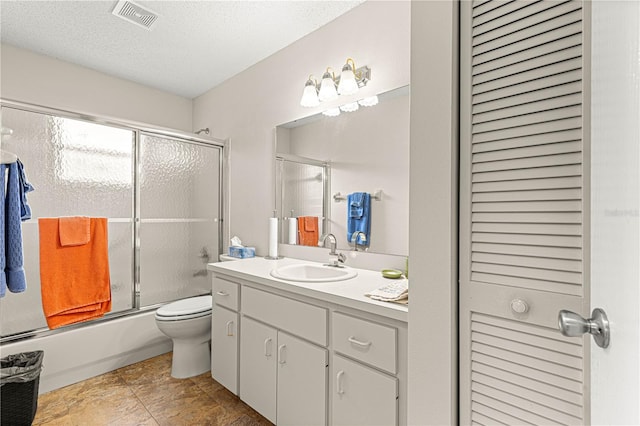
pixel 573 325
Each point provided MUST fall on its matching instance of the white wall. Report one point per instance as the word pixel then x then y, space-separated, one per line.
pixel 42 80
pixel 615 205
pixel 247 107
pixel 433 242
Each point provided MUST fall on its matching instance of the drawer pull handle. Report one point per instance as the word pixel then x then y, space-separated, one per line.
pixel 358 342
pixel 229 328
pixel 281 352
pixel 339 389
pixel 267 347
pixel 222 293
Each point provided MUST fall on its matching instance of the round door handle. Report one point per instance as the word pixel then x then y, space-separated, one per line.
pixel 574 325
pixel 519 306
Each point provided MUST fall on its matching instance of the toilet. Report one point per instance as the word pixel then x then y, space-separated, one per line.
pixel 188 323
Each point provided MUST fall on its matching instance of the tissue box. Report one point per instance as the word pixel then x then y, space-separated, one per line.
pixel 242 252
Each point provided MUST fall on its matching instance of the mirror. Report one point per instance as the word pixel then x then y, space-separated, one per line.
pixel 320 160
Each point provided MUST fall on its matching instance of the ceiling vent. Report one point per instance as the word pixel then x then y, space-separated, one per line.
pixel 134 13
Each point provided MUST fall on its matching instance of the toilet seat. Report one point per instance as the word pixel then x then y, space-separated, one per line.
pixel 193 307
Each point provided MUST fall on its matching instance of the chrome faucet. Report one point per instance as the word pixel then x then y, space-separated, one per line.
pixel 363 239
pixel 340 258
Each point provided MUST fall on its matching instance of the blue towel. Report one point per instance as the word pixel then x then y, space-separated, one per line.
pixel 25 210
pixel 15 210
pixel 356 205
pixel 3 276
pixel 359 216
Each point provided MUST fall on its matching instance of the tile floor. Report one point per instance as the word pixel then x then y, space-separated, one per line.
pixel 145 394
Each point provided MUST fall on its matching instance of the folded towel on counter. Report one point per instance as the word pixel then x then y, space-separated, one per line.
pixel 359 216
pixel 13 212
pixel 75 280
pixel 308 231
pixel 74 231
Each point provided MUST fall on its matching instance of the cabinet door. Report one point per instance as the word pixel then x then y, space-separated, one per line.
pixel 302 382
pixel 258 346
pixel 362 395
pixel 224 348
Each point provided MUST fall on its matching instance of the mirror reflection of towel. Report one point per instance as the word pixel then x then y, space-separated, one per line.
pixel 359 216
pixel 308 230
pixel 356 205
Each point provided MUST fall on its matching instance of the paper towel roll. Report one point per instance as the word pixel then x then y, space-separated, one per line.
pixel 273 237
pixel 293 230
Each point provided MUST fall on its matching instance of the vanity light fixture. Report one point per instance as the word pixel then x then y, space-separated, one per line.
pixel 310 94
pixel 330 86
pixel 348 84
pixel 328 90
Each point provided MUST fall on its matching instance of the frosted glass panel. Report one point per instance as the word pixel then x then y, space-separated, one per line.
pixel 300 192
pixel 179 204
pixel 170 264
pixel 77 169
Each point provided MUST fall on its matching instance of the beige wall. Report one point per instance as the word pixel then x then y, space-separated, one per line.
pixel 433 211
pixel 247 107
pixel 42 80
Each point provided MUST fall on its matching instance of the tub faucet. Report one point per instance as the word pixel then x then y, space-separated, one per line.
pixel 363 240
pixel 340 258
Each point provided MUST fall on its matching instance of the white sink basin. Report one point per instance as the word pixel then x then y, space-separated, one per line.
pixel 313 273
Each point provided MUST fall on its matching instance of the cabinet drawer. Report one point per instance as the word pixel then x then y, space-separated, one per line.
pixel 366 341
pixel 298 318
pixel 225 293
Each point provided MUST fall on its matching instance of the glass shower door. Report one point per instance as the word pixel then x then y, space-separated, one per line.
pixel 179 210
pixel 78 168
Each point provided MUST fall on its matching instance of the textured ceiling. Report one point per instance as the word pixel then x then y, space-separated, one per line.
pixel 193 46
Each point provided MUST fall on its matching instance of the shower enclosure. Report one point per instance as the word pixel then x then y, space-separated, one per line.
pixel 161 193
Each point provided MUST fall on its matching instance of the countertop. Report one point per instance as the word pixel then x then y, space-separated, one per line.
pixel 350 293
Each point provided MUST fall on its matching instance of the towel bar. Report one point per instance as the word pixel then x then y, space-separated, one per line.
pixel 375 196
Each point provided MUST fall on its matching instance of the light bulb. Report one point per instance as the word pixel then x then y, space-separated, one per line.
pixel 310 95
pixel 327 88
pixel 348 84
pixel 332 112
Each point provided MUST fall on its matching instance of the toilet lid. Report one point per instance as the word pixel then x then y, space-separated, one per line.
pixel 190 306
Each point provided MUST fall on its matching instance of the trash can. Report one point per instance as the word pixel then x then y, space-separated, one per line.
pixel 19 380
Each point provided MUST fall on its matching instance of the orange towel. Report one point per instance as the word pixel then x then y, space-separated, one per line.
pixel 75 281
pixel 74 231
pixel 308 230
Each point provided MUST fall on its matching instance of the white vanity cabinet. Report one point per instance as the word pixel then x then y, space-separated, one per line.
pixel 307 356
pixel 224 333
pixel 282 377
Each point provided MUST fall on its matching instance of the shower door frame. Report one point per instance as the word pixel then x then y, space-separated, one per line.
pixel 137 129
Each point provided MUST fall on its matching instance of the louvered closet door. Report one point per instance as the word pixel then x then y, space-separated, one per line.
pixel 523 160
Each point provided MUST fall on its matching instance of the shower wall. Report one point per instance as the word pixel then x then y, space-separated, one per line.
pixel 159 193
